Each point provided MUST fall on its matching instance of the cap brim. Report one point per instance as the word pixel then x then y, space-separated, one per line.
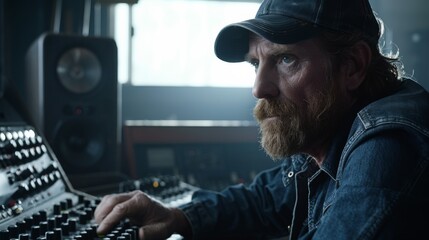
pixel 232 42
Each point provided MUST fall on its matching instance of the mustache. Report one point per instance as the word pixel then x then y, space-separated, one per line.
pixel 266 108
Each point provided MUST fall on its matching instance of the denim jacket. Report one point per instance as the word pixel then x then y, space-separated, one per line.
pixel 373 184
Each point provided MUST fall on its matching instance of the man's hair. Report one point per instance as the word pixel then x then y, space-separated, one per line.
pixel 383 74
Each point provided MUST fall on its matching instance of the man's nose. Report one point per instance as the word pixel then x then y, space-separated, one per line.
pixel 266 83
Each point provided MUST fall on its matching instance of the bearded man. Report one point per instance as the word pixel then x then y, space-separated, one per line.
pixel 352 135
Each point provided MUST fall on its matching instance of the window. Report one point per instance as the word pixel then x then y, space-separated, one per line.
pixel 173 43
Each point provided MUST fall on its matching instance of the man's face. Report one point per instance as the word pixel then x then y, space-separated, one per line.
pixel 300 99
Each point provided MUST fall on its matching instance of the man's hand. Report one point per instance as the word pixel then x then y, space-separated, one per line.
pixel 155 220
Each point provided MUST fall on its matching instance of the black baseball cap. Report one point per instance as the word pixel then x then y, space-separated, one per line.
pixel 290 21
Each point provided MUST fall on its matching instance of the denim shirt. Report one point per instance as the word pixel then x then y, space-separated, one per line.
pixel 373 184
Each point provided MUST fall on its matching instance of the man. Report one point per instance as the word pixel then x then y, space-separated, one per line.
pixel 353 136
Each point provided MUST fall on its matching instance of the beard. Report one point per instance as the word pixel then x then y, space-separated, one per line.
pixel 288 129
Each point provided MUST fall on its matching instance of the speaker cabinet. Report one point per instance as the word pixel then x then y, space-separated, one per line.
pixel 72 96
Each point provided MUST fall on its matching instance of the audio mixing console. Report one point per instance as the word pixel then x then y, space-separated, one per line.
pixel 37 200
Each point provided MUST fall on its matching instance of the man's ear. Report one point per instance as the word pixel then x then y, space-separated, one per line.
pixel 357 65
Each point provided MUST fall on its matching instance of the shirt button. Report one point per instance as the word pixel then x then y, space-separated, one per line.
pixel 290 174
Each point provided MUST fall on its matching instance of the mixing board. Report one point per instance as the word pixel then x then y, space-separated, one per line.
pixel 169 190
pixel 37 200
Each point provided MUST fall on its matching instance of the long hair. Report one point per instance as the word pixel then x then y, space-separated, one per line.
pixel 384 71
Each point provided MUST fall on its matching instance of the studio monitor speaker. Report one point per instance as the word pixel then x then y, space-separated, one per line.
pixel 72 96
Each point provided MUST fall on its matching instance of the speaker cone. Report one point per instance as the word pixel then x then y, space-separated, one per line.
pixel 80 143
pixel 79 70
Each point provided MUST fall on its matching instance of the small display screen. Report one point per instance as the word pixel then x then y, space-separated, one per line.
pixel 160 157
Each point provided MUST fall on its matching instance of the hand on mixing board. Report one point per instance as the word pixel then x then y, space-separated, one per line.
pixel 155 220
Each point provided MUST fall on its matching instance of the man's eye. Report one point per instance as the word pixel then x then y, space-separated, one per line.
pixel 255 64
pixel 288 59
